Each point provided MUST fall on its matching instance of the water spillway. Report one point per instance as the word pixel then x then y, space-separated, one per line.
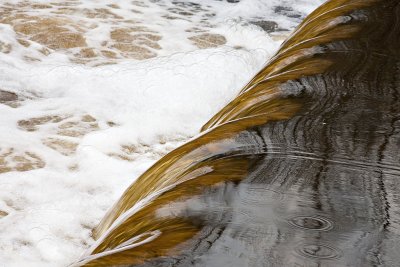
pixel 302 168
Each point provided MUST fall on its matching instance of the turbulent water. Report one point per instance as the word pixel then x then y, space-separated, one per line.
pixel 92 93
pixel 301 169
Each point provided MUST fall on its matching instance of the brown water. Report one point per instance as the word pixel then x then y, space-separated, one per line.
pixel 301 169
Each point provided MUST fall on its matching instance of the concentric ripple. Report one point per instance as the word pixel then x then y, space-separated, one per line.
pixel 314 223
pixel 318 251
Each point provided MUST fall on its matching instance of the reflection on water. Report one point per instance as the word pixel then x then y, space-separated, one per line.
pixel 305 173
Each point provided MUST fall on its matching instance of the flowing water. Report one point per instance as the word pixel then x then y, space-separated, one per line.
pixel 301 169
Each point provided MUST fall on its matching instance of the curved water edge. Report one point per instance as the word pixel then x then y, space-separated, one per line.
pixel 301 168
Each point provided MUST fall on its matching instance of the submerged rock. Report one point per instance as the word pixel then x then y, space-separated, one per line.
pixel 3 214
pixel 287 11
pixel 6 96
pixel 266 25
